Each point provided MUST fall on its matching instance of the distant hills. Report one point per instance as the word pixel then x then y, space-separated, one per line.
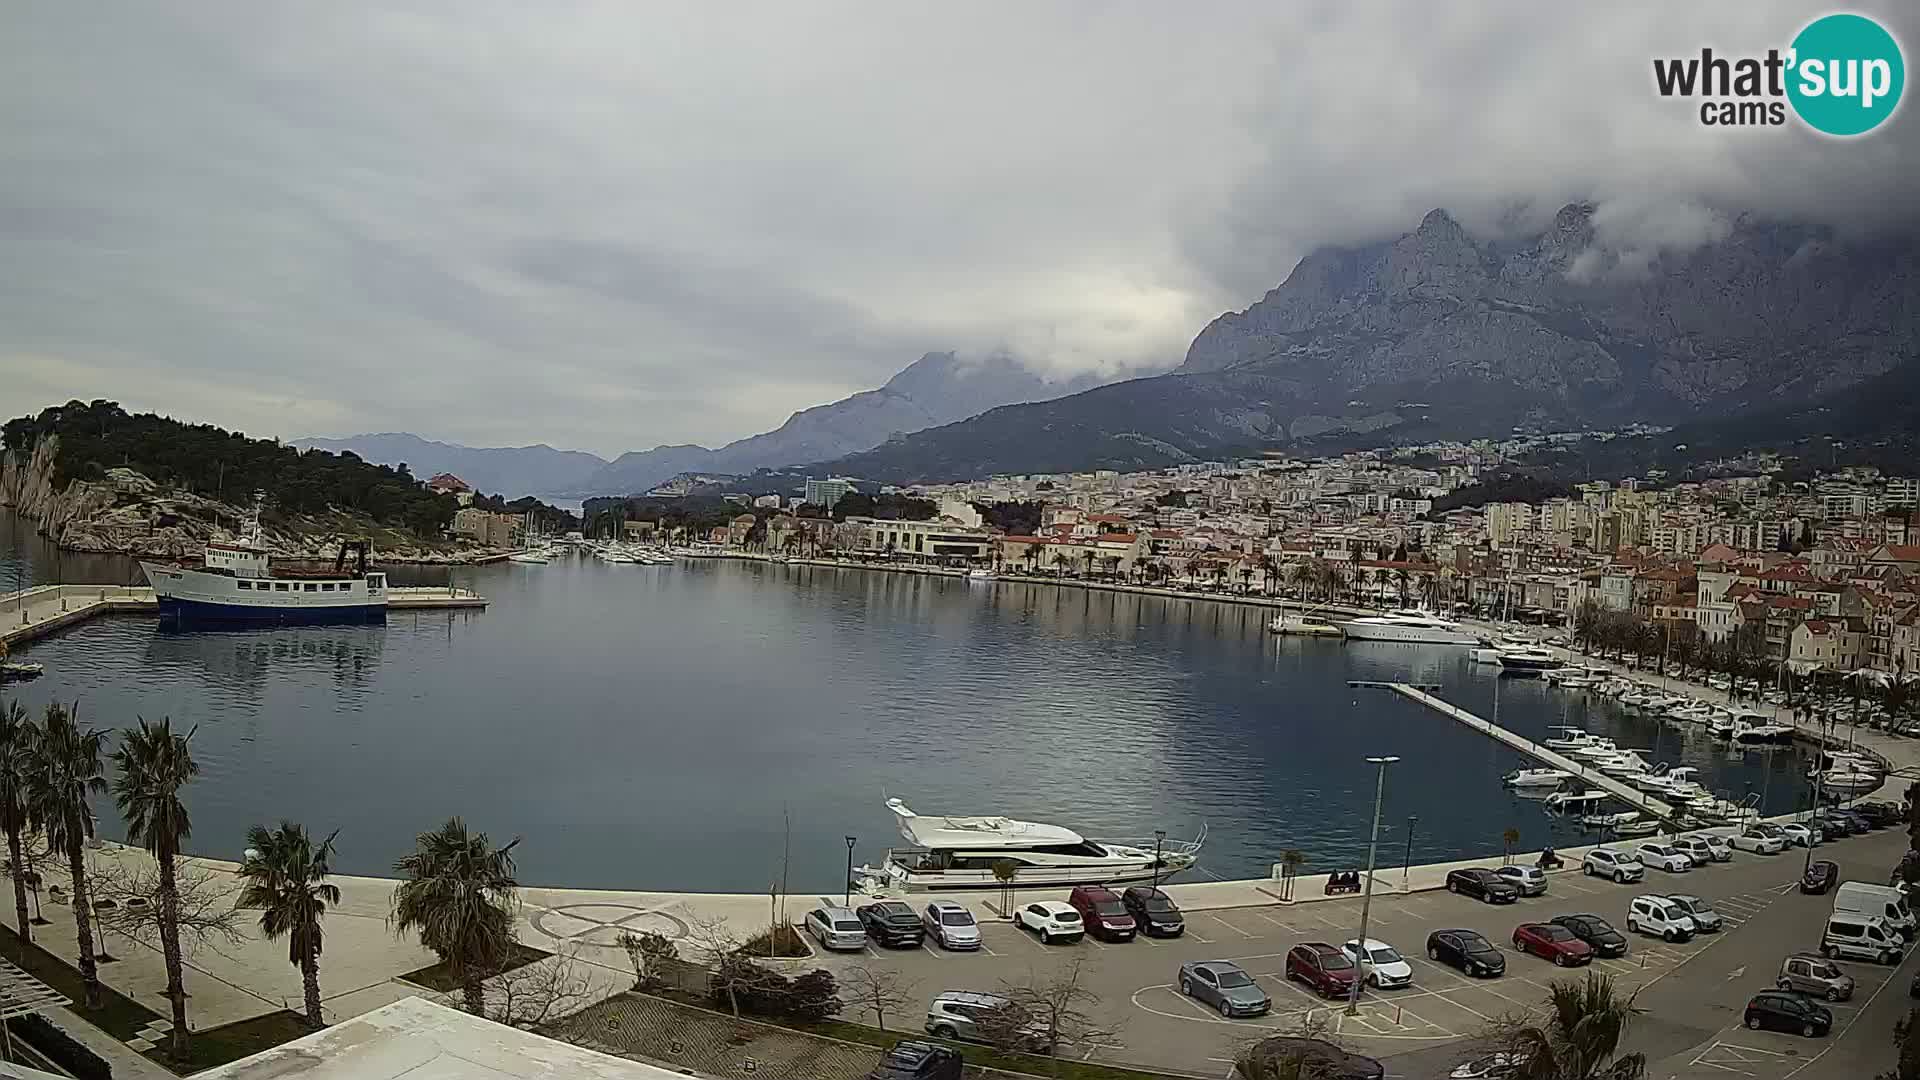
pixel 1437 334
pixel 939 388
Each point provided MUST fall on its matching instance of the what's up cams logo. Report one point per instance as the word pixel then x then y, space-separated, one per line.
pixel 1842 76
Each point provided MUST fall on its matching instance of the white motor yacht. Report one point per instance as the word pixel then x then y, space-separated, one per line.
pixel 1408 626
pixel 1530 660
pixel 1761 734
pixel 1570 738
pixel 961 852
pixel 1536 777
pixel 1596 750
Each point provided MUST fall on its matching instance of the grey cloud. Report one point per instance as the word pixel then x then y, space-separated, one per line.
pixel 616 225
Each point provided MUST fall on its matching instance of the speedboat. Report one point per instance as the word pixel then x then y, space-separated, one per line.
pixel 1562 800
pixel 1597 750
pixel 1636 828
pixel 1761 734
pixel 1846 775
pixel 1530 660
pixel 1609 821
pixel 20 669
pixel 534 556
pixel 980 575
pixel 1301 626
pixel 1536 777
pixel 961 853
pixel 1408 626
pixel 1570 738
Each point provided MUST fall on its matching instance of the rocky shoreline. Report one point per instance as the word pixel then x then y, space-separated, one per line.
pixel 130 514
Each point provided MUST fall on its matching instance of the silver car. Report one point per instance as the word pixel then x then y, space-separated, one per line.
pixel 1701 912
pixel 973 1016
pixel 1530 880
pixel 836 928
pixel 951 925
pixel 1225 986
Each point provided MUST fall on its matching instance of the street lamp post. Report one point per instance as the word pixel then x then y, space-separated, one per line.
pixel 1406 864
pixel 1159 839
pixel 846 895
pixel 1366 898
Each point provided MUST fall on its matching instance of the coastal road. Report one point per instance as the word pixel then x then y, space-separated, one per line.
pixel 1691 994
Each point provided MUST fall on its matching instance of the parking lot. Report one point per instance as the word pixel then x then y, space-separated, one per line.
pixel 1419 1029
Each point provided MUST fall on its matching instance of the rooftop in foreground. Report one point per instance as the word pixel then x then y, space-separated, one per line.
pixel 419 1040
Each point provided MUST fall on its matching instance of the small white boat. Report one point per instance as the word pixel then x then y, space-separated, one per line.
pixel 1536 777
pixel 1597 750
pixel 1570 738
pixel 1761 734
pixel 1301 626
pixel 532 557
pixel 980 575
pixel 1609 821
pixel 1635 828
pixel 1561 800
pixel 21 669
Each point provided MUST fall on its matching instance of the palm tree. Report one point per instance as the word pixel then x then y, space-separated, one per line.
pixel 1403 578
pixel 1034 551
pixel 16 775
pixel 1088 556
pixel 287 881
pixel 66 774
pixel 154 764
pixel 458 893
pixel 1061 560
pixel 1302 575
pixel 1580 1038
pixel 1381 575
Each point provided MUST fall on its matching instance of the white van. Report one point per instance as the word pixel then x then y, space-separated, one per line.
pixel 1659 916
pixel 1878 901
pixel 1861 938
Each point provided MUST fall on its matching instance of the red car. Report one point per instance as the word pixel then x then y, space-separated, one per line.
pixel 1552 942
pixel 1102 913
pixel 1326 970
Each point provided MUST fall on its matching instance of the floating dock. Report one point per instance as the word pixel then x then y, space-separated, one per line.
pixel 1583 772
pixel 31 613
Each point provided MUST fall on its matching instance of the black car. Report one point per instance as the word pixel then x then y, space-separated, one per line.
pixel 1778 1010
pixel 1830 828
pixel 1467 951
pixel 1879 814
pixel 1153 911
pixel 1821 875
pixel 1596 932
pixel 891 922
pixel 1856 822
pixel 1315 1058
pixel 915 1060
pixel 1483 885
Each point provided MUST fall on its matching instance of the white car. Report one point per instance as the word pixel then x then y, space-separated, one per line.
pixel 1530 880
pixel 1659 916
pixel 1665 856
pixel 1619 865
pixel 951 925
pixel 1495 1066
pixel 1051 920
pixel 1718 845
pixel 1799 835
pixel 1759 839
pixel 1695 848
pixel 1384 966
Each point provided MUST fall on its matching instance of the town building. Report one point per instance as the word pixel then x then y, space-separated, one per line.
pixel 826 493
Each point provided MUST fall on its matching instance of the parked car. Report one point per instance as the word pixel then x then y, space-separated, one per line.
pixel 1759 839
pixel 1102 912
pixel 1828 829
pixel 1660 917
pixel 1665 857
pixel 1319 1059
pixel 1619 865
pixel 1717 845
pixel 891 922
pixel 1879 814
pixel 1383 965
pixel 1320 967
pixel 1772 1010
pixel 1051 921
pixel 1821 875
pixel 1154 911
pixel 978 1017
pixel 1862 938
pixel 1811 973
pixel 1528 880
pixel 1846 819
pixel 1705 918
pixel 1499 1065
pixel 1865 899
pixel 951 925
pixel 1466 950
pixel 1225 986
pixel 918 1061
pixel 1801 834
pixel 1482 884
pixel 1597 932
pixel 1552 942
pixel 1695 848
pixel 835 928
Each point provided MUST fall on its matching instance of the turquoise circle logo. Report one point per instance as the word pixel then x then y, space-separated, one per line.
pixel 1847 74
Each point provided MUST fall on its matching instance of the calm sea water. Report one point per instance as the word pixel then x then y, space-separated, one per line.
pixel 677 728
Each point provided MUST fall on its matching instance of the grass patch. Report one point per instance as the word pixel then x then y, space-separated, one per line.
pixel 118 1015
pixel 975 1054
pixel 441 977
pixel 231 1042
pixel 786 942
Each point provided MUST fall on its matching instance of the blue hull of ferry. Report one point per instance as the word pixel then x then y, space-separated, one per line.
pixel 200 611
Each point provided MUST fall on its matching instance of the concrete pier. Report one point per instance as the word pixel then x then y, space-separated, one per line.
pixel 1552 758
pixel 27 614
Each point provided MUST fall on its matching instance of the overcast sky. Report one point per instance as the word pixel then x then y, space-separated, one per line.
pixel 607 226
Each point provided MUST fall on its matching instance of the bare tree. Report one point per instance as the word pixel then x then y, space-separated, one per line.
pixel 719 948
pixel 537 994
pixel 1051 1009
pixel 126 898
pixel 867 989
pixel 651 955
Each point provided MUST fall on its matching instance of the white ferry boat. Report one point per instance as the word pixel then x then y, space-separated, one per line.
pixel 1408 626
pixel 237 584
pixel 960 853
